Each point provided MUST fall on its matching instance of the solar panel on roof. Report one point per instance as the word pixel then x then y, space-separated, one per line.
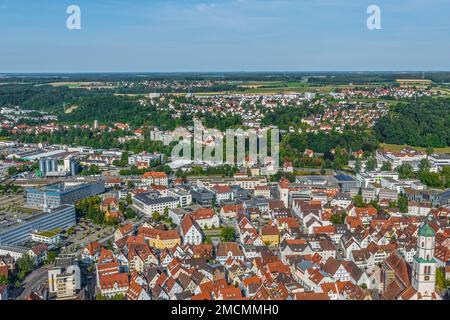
pixel 343 177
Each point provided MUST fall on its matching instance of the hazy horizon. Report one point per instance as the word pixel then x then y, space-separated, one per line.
pixel 191 36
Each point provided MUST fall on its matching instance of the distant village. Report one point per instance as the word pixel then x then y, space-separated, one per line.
pixel 76 225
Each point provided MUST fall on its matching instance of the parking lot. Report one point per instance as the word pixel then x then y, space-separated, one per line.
pixel 84 233
pixel 9 201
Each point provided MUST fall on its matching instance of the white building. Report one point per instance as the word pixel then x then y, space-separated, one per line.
pixel 418 209
pixel 47 237
pixel 113 284
pixel 367 178
pixel 206 218
pixel 439 160
pixel 147 205
pixel 263 191
pixel 156 178
pixel 398 158
pixel 65 278
pixel 191 231
pixel 184 197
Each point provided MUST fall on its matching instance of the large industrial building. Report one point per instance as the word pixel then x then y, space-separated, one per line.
pixel 62 193
pixel 57 167
pixel 17 230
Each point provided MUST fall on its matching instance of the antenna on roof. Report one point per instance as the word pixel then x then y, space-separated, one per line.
pixel 46 208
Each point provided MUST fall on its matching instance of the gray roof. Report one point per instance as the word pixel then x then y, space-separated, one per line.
pixel 143 197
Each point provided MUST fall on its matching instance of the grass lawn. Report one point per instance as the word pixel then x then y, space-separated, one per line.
pixel 399 147
pixel 445 90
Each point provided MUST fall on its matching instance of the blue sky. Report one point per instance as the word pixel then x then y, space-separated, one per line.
pixel 223 35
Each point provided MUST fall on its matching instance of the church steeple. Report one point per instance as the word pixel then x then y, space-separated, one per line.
pixel 426 231
pixel 424 264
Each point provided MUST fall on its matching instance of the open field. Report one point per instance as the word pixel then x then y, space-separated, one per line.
pixel 130 94
pixel 252 85
pixel 398 147
pixel 69 83
pixel 442 89
pixel 82 85
pixel 271 88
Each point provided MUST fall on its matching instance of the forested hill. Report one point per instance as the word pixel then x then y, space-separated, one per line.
pixel 118 109
pixel 425 123
pixel 43 97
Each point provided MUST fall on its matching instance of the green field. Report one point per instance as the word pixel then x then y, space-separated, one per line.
pixel 398 147
pixel 443 89
pixel 278 87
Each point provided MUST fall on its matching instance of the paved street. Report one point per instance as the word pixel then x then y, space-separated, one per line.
pixel 32 281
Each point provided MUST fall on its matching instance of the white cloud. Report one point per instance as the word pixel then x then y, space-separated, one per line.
pixel 205 6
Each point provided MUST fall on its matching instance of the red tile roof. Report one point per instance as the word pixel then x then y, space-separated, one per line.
pixel 224 247
pixel 187 223
pixel 152 233
pixel 108 281
pixel 221 189
pixel 203 213
pixel 93 247
pixel 311 296
pixel 269 230
pixel 155 175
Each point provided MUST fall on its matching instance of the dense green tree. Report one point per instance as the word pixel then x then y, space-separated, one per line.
pixel 90 208
pixel 386 166
pixel 376 205
pixel 228 234
pixel 130 213
pixel 405 171
pixel 338 218
pixel 441 282
pixel 51 256
pixel 91 171
pixel 424 124
pixel 358 201
pixel 424 165
pixel 358 165
pixel 25 265
pixel 156 216
pixel 371 164
pixel 402 204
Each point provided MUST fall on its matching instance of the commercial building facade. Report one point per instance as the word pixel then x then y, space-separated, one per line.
pixel 146 205
pixel 59 194
pixel 62 217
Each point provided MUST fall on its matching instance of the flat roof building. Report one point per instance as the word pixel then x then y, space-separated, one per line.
pixel 55 195
pixel 345 182
pixel 148 205
pixel 16 231
pixel 202 196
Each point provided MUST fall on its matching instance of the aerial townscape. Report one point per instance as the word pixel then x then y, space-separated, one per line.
pixel 224 158
pixel 94 205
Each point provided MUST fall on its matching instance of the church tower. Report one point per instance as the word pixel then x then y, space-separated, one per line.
pixel 424 264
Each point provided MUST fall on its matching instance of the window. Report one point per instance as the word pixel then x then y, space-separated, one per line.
pixel 427 270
